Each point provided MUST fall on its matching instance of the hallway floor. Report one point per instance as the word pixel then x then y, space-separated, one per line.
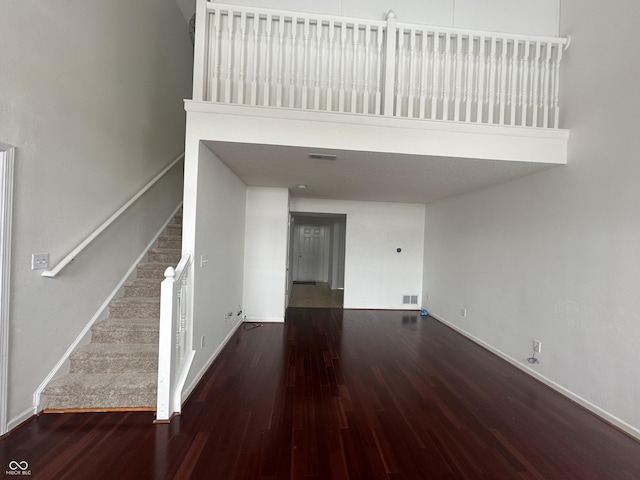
pixel 317 295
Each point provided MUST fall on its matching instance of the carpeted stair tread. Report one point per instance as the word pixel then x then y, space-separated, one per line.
pixel 126 330
pixel 135 307
pixel 165 255
pixel 154 271
pixel 174 229
pixel 105 390
pixel 143 287
pixel 115 358
pixel 170 241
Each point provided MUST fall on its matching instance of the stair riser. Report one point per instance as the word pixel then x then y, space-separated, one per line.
pixel 147 290
pixel 58 399
pixel 151 271
pixel 124 335
pixel 143 310
pixel 169 242
pixel 175 230
pixel 162 257
pixel 88 364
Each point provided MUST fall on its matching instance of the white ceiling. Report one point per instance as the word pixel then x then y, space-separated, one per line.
pixel 370 176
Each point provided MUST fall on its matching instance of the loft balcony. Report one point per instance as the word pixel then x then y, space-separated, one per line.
pixel 273 77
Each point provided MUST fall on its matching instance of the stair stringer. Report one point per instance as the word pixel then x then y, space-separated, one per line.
pixel 61 368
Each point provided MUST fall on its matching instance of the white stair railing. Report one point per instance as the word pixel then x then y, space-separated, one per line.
pixel 175 352
pixel 275 58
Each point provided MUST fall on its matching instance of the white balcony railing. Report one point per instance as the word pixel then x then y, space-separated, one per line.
pixel 252 56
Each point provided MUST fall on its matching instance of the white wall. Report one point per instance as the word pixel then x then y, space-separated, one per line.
pixel 554 256
pixel 219 236
pixel 376 276
pixel 91 96
pixel 535 17
pixel 265 260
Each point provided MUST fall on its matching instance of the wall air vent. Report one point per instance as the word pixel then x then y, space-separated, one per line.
pixel 322 156
pixel 409 299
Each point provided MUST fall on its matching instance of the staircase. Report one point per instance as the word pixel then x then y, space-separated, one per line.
pixel 118 370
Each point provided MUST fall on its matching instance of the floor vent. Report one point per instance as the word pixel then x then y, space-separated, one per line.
pixel 410 299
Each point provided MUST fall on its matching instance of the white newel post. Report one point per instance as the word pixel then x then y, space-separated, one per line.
pixel 390 65
pixel 166 346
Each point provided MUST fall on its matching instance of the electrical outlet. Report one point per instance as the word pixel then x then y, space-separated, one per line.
pixel 537 346
pixel 463 312
pixel 204 261
pixel 39 261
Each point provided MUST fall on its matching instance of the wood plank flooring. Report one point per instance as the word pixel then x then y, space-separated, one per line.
pixel 336 394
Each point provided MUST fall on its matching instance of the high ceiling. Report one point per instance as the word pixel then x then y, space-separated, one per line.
pixel 370 176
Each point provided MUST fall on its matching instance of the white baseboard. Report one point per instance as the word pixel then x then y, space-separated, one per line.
pixel 100 314
pixel 194 383
pixel 608 417
pixel 264 320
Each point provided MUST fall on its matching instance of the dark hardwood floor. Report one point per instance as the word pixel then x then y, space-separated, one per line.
pixel 338 394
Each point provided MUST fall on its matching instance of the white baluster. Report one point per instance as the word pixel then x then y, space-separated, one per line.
pixel 401 66
pixel 267 66
pixel 354 71
pixel 556 89
pixel 514 81
pixel 458 78
pixel 294 56
pixel 534 90
pixel 316 91
pixel 378 107
pixel 256 54
pixel 435 84
pixel 343 41
pixel 448 66
pixel 279 86
pixel 412 73
pixel 423 73
pixel 480 82
pixel 492 78
pixel 230 44
pixel 468 91
pixel 243 59
pixel 332 27
pixel 305 65
pixel 524 87
pixel 367 67
pixel 390 64
pixel 503 80
pixel 546 91
pixel 216 57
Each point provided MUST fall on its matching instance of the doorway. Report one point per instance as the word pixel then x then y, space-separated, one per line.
pixel 316 260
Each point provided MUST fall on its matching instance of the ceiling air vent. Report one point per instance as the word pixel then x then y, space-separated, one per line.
pixel 322 156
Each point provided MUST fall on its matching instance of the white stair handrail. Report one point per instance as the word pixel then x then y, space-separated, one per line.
pixel 72 255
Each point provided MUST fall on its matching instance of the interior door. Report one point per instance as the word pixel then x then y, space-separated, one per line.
pixel 311 243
